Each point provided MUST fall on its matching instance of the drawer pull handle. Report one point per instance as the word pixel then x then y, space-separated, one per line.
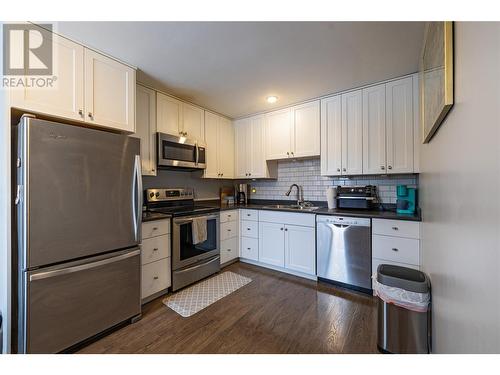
pixel 248 228
pixel 249 214
pixel 228 215
pixel 155 278
pixel 248 248
pixel 228 249
pixel 155 228
pixel 229 230
pixel 155 249
pixel 394 249
pixel 395 228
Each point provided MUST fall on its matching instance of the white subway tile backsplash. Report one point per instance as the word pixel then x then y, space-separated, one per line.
pixel 307 173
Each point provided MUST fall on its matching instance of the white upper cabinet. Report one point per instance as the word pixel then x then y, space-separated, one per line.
pixel 226 148
pixel 400 124
pixel 279 134
pixel 306 129
pixel 178 118
pixel 293 132
pixel 219 137
pixel 168 114
pixel 146 128
pixel 250 158
pixel 65 99
pixel 241 147
pixel 88 87
pixel 331 136
pixel 193 121
pixel 374 140
pixel 212 141
pixel 352 133
pixel 109 92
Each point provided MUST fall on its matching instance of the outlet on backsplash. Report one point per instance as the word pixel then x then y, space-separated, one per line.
pixel 307 173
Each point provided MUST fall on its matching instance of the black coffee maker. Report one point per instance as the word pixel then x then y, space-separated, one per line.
pixel 242 194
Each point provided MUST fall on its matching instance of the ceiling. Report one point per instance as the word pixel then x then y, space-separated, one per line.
pixel 231 67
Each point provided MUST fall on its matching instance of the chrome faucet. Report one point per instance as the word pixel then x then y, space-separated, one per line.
pixel 300 195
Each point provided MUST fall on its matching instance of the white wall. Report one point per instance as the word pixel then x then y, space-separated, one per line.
pixel 460 191
pixel 4 209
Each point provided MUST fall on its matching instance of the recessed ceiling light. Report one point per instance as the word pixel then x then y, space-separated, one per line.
pixel 272 99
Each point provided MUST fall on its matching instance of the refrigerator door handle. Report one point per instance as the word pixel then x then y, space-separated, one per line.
pixel 64 271
pixel 137 209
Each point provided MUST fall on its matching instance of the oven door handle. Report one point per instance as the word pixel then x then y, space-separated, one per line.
pixel 190 219
pixel 217 258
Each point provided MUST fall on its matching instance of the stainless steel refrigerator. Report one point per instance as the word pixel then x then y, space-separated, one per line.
pixel 79 209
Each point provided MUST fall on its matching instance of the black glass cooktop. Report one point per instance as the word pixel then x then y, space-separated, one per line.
pixel 184 210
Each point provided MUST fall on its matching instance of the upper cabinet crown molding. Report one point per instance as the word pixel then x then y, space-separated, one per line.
pixel 293 132
pixel 90 87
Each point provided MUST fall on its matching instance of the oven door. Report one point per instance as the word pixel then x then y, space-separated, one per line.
pixel 180 152
pixel 184 252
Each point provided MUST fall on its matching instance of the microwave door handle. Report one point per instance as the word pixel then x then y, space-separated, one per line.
pixel 197 153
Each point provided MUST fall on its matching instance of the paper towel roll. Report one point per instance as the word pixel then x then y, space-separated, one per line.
pixel 331 194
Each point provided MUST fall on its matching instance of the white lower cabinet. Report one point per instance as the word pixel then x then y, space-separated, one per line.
pixel 272 244
pixel 287 241
pixel 155 259
pixel 300 249
pixel 229 240
pixel 249 248
pixel 395 242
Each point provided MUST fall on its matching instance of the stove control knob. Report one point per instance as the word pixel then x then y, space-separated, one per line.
pixel 151 194
pixel 157 194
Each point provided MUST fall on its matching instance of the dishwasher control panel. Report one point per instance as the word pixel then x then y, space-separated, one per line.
pixel 344 220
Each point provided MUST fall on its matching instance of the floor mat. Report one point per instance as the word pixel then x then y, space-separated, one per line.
pixel 195 298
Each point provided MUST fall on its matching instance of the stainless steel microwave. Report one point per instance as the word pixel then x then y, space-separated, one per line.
pixel 180 152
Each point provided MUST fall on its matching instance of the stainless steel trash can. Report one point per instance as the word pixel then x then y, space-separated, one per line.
pixel 400 329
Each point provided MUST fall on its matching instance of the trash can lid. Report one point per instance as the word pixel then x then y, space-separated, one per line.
pixel 403 277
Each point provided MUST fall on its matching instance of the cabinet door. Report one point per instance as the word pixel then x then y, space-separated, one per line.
pixel 278 134
pixel 256 152
pixel 168 114
pixel 109 92
pixel 400 119
pixel 211 139
pixel 352 133
pixel 300 249
pixel 272 244
pixel 226 148
pixel 331 136
pixel 306 129
pixel 146 128
pixel 374 161
pixel 193 122
pixel 65 99
pixel 241 143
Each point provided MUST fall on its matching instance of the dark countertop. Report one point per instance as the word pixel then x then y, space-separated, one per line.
pixel 150 216
pixel 389 213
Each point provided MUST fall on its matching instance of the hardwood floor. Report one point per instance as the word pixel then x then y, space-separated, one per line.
pixel 275 313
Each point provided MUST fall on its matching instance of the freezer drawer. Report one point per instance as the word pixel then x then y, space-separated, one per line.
pixel 69 304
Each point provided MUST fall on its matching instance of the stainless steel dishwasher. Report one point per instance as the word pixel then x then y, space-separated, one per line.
pixel 344 253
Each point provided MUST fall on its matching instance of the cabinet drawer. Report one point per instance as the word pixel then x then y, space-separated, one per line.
pixel 155 248
pixel 397 228
pixel 250 215
pixel 155 277
pixel 396 249
pixel 292 218
pixel 155 228
pixel 226 216
pixel 228 250
pixel 376 262
pixel 249 228
pixel 249 248
pixel 228 230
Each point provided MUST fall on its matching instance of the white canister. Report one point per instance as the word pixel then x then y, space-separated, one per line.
pixel 331 194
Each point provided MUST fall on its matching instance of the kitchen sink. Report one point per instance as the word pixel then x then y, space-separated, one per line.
pixel 294 207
